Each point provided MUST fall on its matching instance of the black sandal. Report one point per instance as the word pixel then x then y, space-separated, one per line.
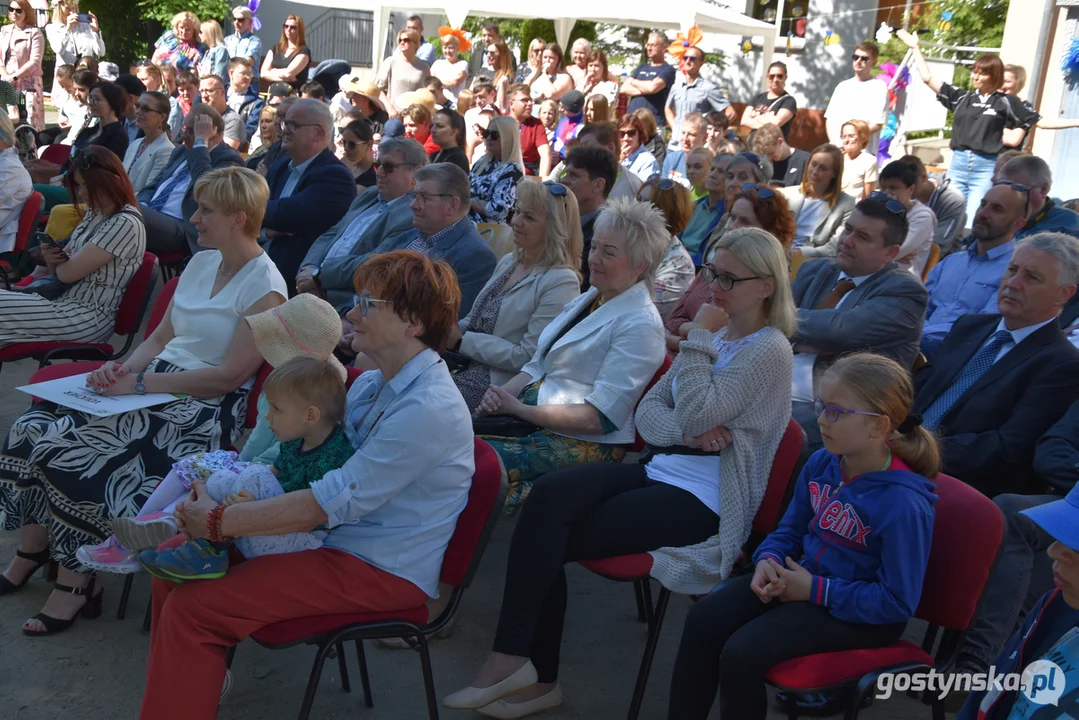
pixel 90 610
pixel 43 559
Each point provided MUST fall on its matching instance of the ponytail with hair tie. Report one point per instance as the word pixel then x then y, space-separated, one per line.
pixel 910 424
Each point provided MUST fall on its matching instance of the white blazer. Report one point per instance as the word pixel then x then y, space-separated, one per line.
pixel 605 360
pixel 152 160
pixel 526 310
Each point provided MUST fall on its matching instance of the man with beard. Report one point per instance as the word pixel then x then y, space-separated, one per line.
pixel 966 282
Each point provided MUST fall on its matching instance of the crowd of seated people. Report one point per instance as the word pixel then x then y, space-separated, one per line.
pixel 356 224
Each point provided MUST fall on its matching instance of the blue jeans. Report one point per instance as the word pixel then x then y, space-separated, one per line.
pixel 971 173
pixel 1021 574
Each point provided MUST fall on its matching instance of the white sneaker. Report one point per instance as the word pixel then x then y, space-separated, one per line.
pixel 226 686
pixel 145 532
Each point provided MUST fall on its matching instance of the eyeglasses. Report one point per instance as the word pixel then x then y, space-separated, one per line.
pixel 388 167
pixel 832 413
pixel 290 27
pixel 352 144
pixel 762 192
pixel 147 108
pixel 422 198
pixel 364 302
pixel 291 126
pixel 726 281
pixel 404 40
pixel 894 206
pixel 860 58
pixel 14 10
pixel 661 182
pixel 490 135
pixel 627 133
pixel 556 189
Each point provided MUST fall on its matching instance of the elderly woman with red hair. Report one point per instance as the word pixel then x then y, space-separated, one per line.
pixel 412 433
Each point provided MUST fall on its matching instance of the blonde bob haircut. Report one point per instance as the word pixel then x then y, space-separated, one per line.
pixel 211 33
pixel 759 251
pixel 234 190
pixel 509 134
pixel 308 379
pixel 565 241
pixel 645 230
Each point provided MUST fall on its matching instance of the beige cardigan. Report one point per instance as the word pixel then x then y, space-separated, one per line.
pixel 752 398
pixel 526 310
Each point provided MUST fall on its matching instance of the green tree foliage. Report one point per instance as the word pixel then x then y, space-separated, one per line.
pixel 163 10
pixel 122 28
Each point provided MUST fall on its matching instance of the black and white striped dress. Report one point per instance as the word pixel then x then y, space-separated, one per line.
pixel 87 311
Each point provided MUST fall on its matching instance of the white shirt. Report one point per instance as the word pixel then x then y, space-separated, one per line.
pixel 1018 336
pixel 444 66
pixel 802 375
pixel 859 171
pixel 807 221
pixel 18 186
pixel 204 325
pixel 921 226
pixel 853 99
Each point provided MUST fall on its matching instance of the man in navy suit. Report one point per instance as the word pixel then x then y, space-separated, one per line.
pixel 168 202
pixel 999 382
pixel 310 190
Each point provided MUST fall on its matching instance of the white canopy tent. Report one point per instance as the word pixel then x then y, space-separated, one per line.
pixel 637 13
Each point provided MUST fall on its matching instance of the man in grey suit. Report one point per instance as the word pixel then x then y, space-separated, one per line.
pixel 379 213
pixel 859 300
pixel 168 202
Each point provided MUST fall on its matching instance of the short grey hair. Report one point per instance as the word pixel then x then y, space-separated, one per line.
pixel 319 111
pixel 411 152
pixel 7 130
pixel 1036 169
pixel 449 179
pixel 1061 246
pixel 582 43
pixel 243 10
pixel 662 37
pixel 643 226
pixel 762 170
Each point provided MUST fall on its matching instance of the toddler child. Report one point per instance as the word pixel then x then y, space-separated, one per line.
pixel 843 570
pixel 306 399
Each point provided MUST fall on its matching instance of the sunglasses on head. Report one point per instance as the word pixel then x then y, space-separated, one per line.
pixel 762 192
pixel 85 161
pixel 752 157
pixel 557 189
pixel 1014 185
pixel 659 181
pixel 894 206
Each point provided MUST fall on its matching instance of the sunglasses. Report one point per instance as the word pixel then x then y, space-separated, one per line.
pixel 388 167
pixel 659 181
pixel 238 19
pixel 832 413
pixel 85 161
pixel 1014 185
pixel 627 133
pixel 692 58
pixel 290 27
pixel 860 58
pixel 364 302
pixel 14 10
pixel 726 281
pixel 752 157
pixel 147 108
pixel 352 144
pixel 894 206
pixel 490 135
pixel 777 77
pixel 556 189
pixel 762 192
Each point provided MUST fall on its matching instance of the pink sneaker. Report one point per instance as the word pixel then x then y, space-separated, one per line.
pixel 109 556
pixel 144 532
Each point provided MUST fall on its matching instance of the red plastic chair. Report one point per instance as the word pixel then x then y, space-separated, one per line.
pixel 967 531
pixel 638 441
pixel 329 632
pixel 636 568
pixel 28 217
pixel 129 317
pixel 172 264
pixel 57 153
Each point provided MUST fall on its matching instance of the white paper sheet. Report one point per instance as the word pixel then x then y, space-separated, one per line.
pixel 72 392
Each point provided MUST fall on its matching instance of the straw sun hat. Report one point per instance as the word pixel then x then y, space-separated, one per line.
pixel 305 325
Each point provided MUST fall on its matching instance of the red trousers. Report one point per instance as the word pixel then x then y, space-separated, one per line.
pixel 194 624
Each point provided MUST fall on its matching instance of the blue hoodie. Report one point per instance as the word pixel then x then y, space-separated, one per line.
pixel 866 542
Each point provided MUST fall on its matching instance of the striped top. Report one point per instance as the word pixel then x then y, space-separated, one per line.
pixel 94 300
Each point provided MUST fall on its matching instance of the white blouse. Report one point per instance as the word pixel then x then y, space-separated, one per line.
pixel 204 325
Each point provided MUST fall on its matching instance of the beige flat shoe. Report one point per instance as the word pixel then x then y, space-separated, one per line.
pixel 503 709
pixel 473 698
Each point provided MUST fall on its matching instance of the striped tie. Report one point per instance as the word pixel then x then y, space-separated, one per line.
pixel 978 365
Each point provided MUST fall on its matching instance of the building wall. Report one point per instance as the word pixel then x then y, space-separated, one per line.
pixel 813 71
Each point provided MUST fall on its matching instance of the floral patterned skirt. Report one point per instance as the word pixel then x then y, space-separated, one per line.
pixel 72 472
pixel 533 456
pixel 33 96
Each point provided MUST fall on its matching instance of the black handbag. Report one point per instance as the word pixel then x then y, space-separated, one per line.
pixel 503 426
pixel 49 287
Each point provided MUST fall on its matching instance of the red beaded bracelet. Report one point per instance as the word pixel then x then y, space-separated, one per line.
pixel 213 524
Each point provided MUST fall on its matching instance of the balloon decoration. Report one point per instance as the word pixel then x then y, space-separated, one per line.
pixel 681 43
pixel 465 43
pixel 747 47
pixel 897 78
pixel 831 38
pixel 789 49
pixel 884 33
pixel 1070 62
pixel 945 23
pixel 253 6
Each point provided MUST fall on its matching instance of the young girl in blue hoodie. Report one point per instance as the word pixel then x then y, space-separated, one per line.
pixel 844 569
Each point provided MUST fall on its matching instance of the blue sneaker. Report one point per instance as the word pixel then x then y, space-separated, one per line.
pixel 193 560
pixel 146 559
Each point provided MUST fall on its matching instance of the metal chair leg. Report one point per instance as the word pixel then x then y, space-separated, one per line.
pixel 312 682
pixel 365 680
pixel 649 651
pixel 428 677
pixel 148 615
pixel 646 593
pixel 339 651
pixel 638 595
pixel 125 594
pixel 229 657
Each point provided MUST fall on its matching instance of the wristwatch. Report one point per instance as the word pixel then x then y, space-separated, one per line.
pixel 140 386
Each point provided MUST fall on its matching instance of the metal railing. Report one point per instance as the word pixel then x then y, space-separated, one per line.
pixel 340 34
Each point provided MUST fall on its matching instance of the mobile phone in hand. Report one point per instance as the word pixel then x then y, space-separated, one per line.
pixel 84 17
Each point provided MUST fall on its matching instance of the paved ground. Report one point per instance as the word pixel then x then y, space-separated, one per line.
pixel 96 670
